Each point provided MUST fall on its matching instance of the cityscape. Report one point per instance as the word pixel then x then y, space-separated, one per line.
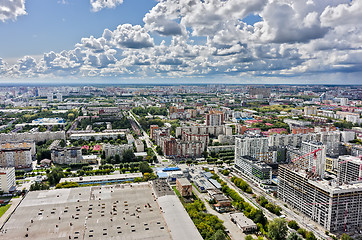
pixel 181 120
pixel 181 161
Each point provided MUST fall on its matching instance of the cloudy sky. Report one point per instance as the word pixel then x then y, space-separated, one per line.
pixel 181 41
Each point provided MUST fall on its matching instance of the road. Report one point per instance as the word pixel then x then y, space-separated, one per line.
pixel 302 220
pixel 235 233
pixel 14 203
pixel 147 138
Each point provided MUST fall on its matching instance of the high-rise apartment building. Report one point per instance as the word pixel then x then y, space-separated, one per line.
pixel 349 169
pixel 336 207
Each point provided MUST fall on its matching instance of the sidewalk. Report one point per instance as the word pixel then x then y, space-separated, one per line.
pixel 14 203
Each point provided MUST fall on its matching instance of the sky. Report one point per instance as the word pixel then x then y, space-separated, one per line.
pixel 181 41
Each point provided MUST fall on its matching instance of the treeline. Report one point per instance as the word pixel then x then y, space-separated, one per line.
pixel 140 111
pixel 209 226
pixel 256 215
pixel 269 206
pixel 240 183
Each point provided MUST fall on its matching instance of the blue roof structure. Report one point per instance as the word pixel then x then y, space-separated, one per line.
pixel 162 175
pixel 168 169
pixel 215 183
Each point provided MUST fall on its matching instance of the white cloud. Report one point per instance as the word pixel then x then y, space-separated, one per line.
pixel 98 5
pixel 11 9
pixel 210 39
pixel 129 36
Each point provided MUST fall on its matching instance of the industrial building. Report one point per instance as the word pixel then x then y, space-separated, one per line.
pixel 184 187
pixel 126 211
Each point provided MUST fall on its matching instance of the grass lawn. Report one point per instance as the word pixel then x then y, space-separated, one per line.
pixel 193 184
pixel 4 208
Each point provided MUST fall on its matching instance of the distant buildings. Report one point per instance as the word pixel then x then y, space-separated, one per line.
pixel 310 110
pixel 256 147
pixel 215 118
pixel 17 155
pixel 112 150
pixel 7 179
pixel 68 155
pixel 32 136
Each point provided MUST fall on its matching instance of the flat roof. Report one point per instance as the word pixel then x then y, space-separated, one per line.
pixel 177 219
pixel 102 178
pixel 183 181
pixel 242 220
pixel 126 211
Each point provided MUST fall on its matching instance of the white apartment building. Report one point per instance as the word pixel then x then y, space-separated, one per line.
pixel 255 147
pixel 112 150
pixel 349 169
pixel 7 179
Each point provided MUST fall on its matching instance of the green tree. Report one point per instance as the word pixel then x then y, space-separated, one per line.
pixel 55 175
pixel 248 237
pixel 277 229
pixel 302 232
pixel 117 158
pixel 346 237
pixel 128 156
pixel 294 236
pixel 293 224
pixel 219 235
pixel 310 236
pixel 39 186
pixel 144 167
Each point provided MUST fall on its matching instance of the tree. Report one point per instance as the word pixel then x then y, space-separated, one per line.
pixel 310 236
pixel 39 186
pixel 346 237
pixel 302 232
pixel 128 156
pixel 293 224
pixel 294 236
pixel 248 237
pixel 117 158
pixel 55 175
pixel 219 235
pixel 145 168
pixel 277 229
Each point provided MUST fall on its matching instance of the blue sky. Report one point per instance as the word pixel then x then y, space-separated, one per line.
pixel 51 25
pixel 225 41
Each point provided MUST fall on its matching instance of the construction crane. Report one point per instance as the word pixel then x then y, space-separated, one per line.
pixel 295 160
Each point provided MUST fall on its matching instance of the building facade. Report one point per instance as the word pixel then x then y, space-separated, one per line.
pixel 254 169
pixel 68 155
pixel 337 208
pixel 7 179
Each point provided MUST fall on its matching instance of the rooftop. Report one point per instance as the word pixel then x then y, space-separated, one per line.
pixel 117 211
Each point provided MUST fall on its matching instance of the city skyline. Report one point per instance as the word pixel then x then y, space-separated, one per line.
pixel 183 42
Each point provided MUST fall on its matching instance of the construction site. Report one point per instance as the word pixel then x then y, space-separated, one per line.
pixel 123 211
pixel 333 202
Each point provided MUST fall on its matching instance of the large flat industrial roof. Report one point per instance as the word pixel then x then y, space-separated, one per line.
pixel 128 211
pixel 123 211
